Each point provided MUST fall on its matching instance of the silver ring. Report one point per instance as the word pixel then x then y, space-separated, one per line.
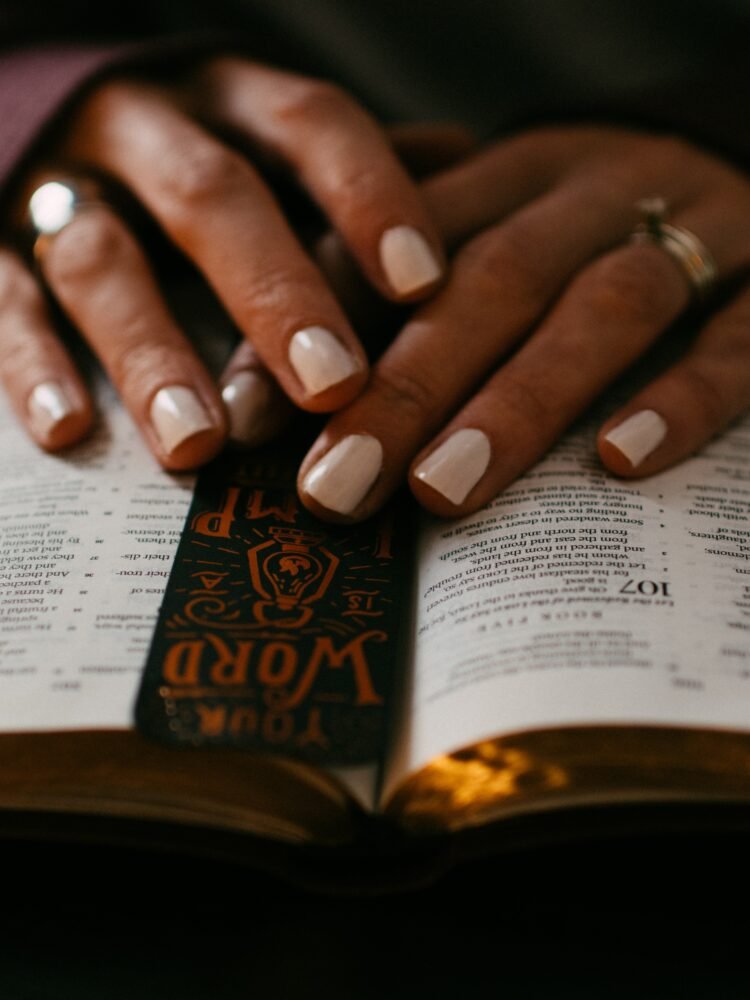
pixel 690 253
pixel 53 206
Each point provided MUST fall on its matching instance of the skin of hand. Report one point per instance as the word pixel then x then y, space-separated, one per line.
pixel 547 301
pixel 162 144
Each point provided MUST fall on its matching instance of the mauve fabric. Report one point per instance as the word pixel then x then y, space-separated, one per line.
pixel 36 84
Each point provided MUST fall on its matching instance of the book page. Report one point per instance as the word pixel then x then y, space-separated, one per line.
pixel 87 541
pixel 86 544
pixel 576 598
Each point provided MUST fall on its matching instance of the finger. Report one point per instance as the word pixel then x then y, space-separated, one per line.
pixel 681 410
pixel 513 417
pixel 633 293
pixel 257 409
pixel 500 284
pixel 424 149
pixel 612 313
pixel 99 275
pixel 607 318
pixel 651 433
pixel 39 377
pixel 503 283
pixel 218 211
pixel 344 160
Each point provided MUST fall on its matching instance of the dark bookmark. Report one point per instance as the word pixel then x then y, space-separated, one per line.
pixel 277 632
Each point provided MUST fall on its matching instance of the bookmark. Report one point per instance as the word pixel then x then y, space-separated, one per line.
pixel 277 632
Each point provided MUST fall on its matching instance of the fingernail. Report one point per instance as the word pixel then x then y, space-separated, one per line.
pixel 456 466
pixel 319 359
pixel 408 260
pixel 248 398
pixel 47 406
pixel 638 436
pixel 177 414
pixel 343 477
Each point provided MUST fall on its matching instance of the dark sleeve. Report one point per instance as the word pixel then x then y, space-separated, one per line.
pixel 708 107
pixel 711 109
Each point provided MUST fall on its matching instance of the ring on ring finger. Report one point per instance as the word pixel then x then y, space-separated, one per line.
pixel 689 252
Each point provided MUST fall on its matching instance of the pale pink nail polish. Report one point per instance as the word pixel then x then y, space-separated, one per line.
pixel 638 436
pixel 343 477
pixel 408 260
pixel 456 466
pixel 47 406
pixel 320 359
pixel 176 415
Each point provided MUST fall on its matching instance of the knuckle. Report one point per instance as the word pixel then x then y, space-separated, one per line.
pixel 405 392
pixel 357 186
pixel 631 288
pixel 85 247
pixel 310 100
pixel 203 173
pixel 272 290
pixel 108 106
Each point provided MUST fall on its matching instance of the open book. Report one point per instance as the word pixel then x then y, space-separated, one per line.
pixel 581 642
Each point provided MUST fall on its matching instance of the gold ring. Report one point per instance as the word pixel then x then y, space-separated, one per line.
pixel 684 247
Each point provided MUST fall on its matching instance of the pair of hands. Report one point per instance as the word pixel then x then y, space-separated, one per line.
pixel 526 297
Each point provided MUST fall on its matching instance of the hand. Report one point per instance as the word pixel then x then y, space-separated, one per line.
pixel 548 301
pixel 216 208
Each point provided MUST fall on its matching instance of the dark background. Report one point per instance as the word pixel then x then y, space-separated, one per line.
pixel 481 62
pixel 646 917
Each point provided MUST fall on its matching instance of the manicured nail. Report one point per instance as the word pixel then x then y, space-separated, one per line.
pixel 177 414
pixel 248 398
pixel 456 466
pixel 342 478
pixel 408 260
pixel 319 359
pixel 47 406
pixel 638 436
